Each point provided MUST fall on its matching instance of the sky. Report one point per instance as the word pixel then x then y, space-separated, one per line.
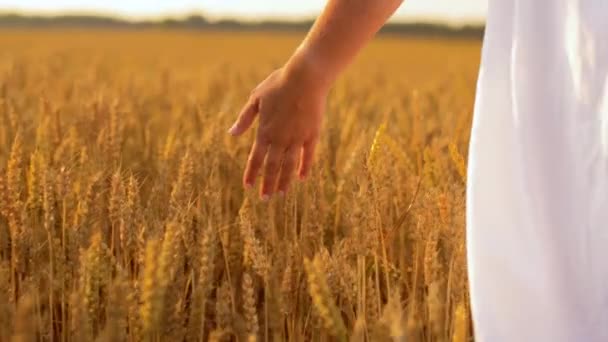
pixel 453 11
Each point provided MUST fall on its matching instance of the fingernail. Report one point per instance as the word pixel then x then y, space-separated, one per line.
pixel 248 185
pixel 265 198
pixel 232 130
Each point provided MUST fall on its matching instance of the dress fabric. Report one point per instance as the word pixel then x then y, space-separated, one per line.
pixel 537 212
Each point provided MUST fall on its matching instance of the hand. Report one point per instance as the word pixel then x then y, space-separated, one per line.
pixel 290 105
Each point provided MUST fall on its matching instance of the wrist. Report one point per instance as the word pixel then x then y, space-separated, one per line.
pixel 306 68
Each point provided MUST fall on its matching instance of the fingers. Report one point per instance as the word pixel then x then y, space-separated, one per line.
pixel 279 166
pixel 271 171
pixel 288 167
pixel 245 119
pixel 255 162
pixel 308 154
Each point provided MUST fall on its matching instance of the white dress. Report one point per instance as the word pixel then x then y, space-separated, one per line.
pixel 538 174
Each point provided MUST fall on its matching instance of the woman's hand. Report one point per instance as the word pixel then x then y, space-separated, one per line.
pixel 290 104
pixel 291 100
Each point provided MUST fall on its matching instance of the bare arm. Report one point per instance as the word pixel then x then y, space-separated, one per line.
pixel 344 27
pixel 290 102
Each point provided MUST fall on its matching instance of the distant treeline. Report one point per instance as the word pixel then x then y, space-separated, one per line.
pixel 197 22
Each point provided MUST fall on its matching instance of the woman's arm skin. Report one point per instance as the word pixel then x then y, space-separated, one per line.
pixel 290 102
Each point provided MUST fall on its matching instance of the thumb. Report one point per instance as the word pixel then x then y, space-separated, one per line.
pixel 245 119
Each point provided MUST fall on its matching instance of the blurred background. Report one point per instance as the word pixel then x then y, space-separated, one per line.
pixel 451 11
pixel 195 13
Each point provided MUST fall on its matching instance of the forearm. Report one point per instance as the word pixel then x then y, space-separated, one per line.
pixel 344 27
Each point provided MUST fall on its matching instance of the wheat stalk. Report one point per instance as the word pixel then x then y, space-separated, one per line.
pixel 322 299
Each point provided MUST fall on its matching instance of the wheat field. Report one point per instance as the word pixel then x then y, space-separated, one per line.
pixel 123 218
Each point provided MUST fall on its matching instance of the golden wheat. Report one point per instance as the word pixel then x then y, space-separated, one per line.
pixel 123 218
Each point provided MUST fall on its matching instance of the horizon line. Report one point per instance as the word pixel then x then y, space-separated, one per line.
pixel 211 16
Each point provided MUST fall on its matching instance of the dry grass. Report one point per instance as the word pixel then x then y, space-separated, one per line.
pixel 122 217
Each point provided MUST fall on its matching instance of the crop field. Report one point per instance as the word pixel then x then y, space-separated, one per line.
pixel 123 217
